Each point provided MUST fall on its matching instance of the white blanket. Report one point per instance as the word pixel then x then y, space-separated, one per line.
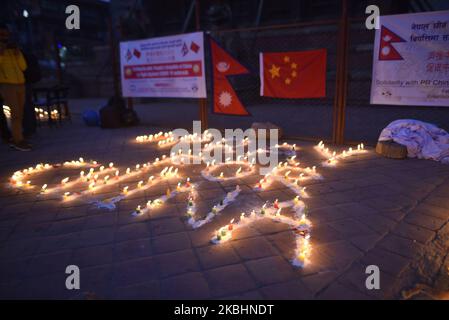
pixel 423 140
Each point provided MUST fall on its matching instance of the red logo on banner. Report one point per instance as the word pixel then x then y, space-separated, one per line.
pixel 194 47
pixel 225 99
pixel 386 50
pixel 136 53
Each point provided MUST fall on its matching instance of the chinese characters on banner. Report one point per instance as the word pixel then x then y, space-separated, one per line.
pixel 411 60
pixel 164 67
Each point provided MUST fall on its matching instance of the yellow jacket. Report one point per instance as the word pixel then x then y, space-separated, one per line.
pixel 12 66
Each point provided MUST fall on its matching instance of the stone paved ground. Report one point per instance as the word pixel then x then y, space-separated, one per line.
pixel 369 210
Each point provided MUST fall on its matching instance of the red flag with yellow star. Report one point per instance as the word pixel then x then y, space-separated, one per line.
pixel 225 100
pixel 297 74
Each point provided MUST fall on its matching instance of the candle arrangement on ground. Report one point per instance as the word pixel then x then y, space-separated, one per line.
pixel 151 204
pixel 244 169
pixel 287 149
pixel 216 209
pixel 166 139
pixel 20 178
pixel 94 177
pixel 333 156
pixel 154 137
pixel 291 175
pixel 298 223
pixel 167 173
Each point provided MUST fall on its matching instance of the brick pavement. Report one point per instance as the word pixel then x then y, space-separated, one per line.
pixel 368 210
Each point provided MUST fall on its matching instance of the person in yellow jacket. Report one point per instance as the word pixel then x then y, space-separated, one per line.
pixel 12 86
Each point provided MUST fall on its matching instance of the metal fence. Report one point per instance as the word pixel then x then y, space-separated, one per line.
pixel 363 120
pixel 313 118
pixel 297 117
pixel 350 118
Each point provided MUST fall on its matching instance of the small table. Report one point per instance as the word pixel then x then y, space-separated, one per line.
pixel 52 98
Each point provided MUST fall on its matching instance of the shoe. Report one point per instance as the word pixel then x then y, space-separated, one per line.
pixel 21 146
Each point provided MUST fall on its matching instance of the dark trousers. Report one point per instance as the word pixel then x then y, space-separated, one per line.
pixel 29 115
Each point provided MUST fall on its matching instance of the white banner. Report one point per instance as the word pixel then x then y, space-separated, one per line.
pixel 164 67
pixel 411 60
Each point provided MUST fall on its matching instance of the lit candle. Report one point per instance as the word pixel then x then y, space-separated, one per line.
pixel 262 211
pixel 278 213
pixel 44 187
pixel 230 226
pixel 125 190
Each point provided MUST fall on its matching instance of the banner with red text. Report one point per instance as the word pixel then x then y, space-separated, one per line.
pixel 411 60
pixel 170 66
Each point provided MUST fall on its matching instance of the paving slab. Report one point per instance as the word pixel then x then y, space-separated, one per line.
pixel 367 210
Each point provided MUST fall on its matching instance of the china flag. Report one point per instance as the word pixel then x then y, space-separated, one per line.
pixel 225 99
pixel 297 74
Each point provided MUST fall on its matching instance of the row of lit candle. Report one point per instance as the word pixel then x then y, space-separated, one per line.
pixel 299 223
pixel 18 179
pixel 153 137
pixel 211 167
pixel 151 204
pixel 216 209
pixel 333 156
